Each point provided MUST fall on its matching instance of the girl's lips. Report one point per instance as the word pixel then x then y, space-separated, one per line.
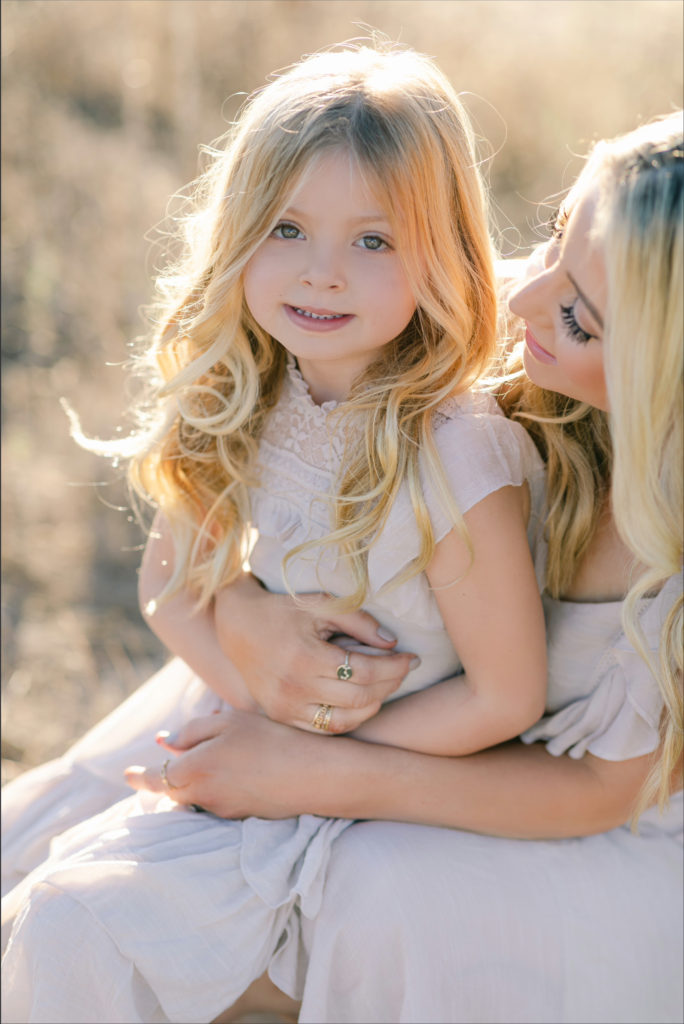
pixel 537 351
pixel 314 323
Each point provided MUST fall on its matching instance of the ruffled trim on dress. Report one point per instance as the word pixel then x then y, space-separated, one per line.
pixel 619 719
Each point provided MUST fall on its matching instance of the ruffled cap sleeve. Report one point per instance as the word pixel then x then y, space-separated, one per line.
pixel 481 451
pixel 619 717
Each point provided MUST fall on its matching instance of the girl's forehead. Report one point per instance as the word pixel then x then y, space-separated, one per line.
pixel 343 161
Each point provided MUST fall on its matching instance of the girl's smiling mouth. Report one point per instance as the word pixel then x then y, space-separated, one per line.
pixel 314 319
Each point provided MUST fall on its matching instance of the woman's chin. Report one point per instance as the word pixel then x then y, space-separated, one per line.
pixel 534 369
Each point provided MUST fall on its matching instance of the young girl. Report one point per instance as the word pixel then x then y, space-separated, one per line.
pixel 317 351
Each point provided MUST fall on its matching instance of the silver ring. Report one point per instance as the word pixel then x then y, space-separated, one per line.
pixel 164 777
pixel 345 671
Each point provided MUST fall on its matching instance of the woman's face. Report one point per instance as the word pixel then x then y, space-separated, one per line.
pixel 563 302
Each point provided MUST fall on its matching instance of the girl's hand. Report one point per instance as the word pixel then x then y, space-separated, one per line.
pixel 282 651
pixel 236 764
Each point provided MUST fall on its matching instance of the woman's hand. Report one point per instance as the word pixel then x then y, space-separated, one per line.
pixel 236 764
pixel 282 650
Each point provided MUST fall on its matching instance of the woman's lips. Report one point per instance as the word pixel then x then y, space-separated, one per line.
pixel 535 348
pixel 317 320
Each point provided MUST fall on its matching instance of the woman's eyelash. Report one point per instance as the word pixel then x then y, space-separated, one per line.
pixel 572 327
pixel 556 223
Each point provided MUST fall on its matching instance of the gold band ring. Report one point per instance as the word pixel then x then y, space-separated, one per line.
pixel 164 777
pixel 345 671
pixel 321 720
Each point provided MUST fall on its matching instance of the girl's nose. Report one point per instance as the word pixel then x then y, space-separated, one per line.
pixel 323 270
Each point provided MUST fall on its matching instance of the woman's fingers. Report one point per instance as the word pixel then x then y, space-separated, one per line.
pixel 194 732
pixel 354 678
pixel 332 720
pixel 363 628
pixel 164 778
pixel 368 669
pixel 364 678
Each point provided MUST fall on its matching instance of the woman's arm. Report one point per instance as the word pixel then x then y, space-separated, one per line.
pixel 492 610
pixel 237 765
pixel 261 650
pixel 189 634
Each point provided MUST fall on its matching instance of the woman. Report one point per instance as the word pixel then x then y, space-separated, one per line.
pixel 537 902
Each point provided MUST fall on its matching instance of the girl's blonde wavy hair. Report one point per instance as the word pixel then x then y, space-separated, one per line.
pixel 635 450
pixel 216 373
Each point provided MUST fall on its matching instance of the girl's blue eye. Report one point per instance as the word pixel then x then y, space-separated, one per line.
pixel 374 243
pixel 572 327
pixel 287 231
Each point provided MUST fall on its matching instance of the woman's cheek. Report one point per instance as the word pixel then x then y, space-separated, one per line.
pixel 586 370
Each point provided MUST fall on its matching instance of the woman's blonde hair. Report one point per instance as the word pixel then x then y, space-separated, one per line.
pixel 218 373
pixel 574 441
pixel 635 450
pixel 640 221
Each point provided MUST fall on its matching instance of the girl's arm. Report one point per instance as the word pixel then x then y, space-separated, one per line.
pixel 237 765
pixel 287 676
pixel 492 609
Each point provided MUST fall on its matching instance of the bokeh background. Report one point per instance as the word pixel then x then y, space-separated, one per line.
pixel 104 106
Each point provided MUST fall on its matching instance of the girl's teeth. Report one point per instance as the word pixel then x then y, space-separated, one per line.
pixel 319 316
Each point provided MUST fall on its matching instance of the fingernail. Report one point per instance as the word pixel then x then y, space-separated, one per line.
pixel 415 662
pixel 164 736
pixel 385 634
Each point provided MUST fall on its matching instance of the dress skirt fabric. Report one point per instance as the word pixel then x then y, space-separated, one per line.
pixel 432 926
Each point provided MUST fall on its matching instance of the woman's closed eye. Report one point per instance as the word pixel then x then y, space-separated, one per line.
pixel 572 326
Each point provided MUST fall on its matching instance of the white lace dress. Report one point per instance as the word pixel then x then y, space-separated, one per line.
pixel 428 925
pixel 150 912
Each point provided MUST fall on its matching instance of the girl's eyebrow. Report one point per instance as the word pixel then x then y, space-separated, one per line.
pixel 292 211
pixel 590 305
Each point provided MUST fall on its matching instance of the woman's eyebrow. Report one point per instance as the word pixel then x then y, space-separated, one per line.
pixel 590 305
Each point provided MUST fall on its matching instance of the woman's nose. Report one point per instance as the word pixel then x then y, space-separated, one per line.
pixel 530 297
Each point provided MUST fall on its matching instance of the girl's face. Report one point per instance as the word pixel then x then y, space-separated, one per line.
pixel 563 302
pixel 328 283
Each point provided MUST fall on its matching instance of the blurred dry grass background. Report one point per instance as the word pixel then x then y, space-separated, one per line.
pixel 104 105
